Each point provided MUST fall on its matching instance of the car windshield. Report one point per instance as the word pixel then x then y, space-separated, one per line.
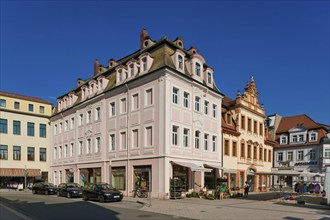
pixel 106 186
pixel 73 185
pixel 49 185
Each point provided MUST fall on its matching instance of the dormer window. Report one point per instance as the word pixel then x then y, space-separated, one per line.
pixel 180 62
pixel 228 118
pixel 209 78
pixel 131 68
pixel 284 140
pixel 301 138
pixel 198 69
pixel 144 64
pixel 312 137
pixel 294 138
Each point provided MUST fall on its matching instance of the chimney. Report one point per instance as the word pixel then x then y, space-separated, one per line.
pixel 143 36
pixel 96 67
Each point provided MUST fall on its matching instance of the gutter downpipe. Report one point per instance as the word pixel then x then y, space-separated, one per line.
pixel 127 134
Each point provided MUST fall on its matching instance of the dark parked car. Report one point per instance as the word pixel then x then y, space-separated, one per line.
pixel 102 192
pixel 69 190
pixel 44 188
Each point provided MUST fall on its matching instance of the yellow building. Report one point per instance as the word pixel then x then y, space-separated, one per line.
pixel 247 146
pixel 24 139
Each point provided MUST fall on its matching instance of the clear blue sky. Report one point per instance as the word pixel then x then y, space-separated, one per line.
pixel 47 45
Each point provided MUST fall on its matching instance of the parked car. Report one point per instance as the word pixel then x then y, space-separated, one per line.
pixel 101 192
pixel 69 190
pixel 44 188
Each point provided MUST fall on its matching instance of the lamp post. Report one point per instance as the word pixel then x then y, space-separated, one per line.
pixel 25 177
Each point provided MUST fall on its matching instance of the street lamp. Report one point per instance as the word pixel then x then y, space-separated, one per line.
pixel 25 177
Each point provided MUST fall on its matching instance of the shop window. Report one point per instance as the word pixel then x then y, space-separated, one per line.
pixel 118 178
pixel 142 177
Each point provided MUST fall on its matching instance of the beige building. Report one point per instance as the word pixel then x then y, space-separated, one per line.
pixel 247 147
pixel 24 139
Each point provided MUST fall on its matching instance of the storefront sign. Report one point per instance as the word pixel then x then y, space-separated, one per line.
pixel 306 163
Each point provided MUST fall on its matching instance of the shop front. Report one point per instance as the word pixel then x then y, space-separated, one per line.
pixel 142 177
pixel 90 175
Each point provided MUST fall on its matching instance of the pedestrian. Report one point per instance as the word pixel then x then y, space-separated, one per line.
pixel 223 189
pixel 246 189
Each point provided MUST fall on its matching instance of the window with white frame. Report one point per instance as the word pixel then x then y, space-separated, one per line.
pixel 112 142
pixel 206 142
pixel 55 129
pixel 66 125
pixel 89 117
pixel 279 156
pixel 135 103
pixel 81 119
pixel 60 152
pixel 123 105
pixel 215 110
pixel 97 145
pixel 312 137
pixel 98 114
pixel 327 153
pixel 180 62
pixel 175 135
pixel 71 123
pixel 55 153
pixel 123 140
pixel 175 95
pixel 290 156
pixel 112 109
pixel 283 140
pixel 135 138
pixel 186 137
pixel 186 99
pixel 3 103
pixel 206 107
pixel 198 69
pixel 197 139
pixel 197 103
pixel 301 138
pixel 80 148
pixel 300 155
pixel 214 143
pixel 60 128
pixel 71 149
pixel 312 154
pixel 66 150
pixel 294 138
pixel 89 146
pixel 148 136
pixel 148 97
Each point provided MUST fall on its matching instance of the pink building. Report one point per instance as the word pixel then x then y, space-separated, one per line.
pixel 148 118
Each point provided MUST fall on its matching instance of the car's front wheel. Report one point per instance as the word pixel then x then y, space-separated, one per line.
pixel 68 195
pixel 58 193
pixel 46 192
pixel 101 199
pixel 85 198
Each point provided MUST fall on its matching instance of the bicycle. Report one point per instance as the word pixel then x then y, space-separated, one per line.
pixel 141 193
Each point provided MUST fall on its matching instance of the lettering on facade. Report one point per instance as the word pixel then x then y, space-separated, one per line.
pixel 306 163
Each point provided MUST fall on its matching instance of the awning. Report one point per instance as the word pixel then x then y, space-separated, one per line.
pixel 280 173
pixel 19 172
pixel 227 170
pixel 215 166
pixel 192 166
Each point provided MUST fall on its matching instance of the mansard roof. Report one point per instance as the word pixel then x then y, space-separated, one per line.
pixel 24 97
pixel 297 121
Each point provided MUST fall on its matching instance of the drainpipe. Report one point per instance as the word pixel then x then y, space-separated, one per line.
pixel 127 134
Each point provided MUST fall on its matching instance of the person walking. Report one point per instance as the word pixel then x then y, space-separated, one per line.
pixel 246 188
pixel 223 189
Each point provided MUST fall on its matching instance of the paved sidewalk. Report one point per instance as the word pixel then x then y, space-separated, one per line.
pixel 239 208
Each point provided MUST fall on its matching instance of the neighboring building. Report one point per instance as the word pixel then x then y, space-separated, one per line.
pixel 153 115
pixel 24 139
pixel 247 146
pixel 301 145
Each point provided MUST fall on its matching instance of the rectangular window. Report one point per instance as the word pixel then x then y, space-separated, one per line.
pixel 255 153
pixel 249 151
pixel 72 123
pixel 249 124
pixel 175 134
pixel 149 136
pixel 41 109
pixel 30 154
pixel 226 147
pixel 198 69
pixel 175 95
pixel 185 137
pixel 81 150
pixel 65 151
pixel 118 178
pixel 265 154
pixel 197 139
pixel 234 152
pixel 3 103
pixel 66 125
pixel 294 138
pixel 206 142
pixel 283 140
pixel 300 155
pixel 89 146
pixel 280 156
pixel 81 119
pixel 16 153
pixel 327 153
pixel 42 154
pixel 312 137
pixel 97 145
pixel 16 105
pixel 42 130
pixel 98 114
pixel 135 102
pixel 30 107
pixel 112 142
pixel 197 103
pixel 242 150
pixel 30 129
pixel 180 62
pixel 255 127
pixel 228 120
pixel 3 126
pixel 17 127
pixel 312 154
pixel 290 156
pixel 186 99
pixel 55 153
pixel 89 117
pixel 215 110
pixel 261 128
pixel 243 122
pixel 123 140
pixel 123 105
pixel 269 155
pixel 301 138
pixel 209 78
pixel 131 67
pixel 112 109
pixel 149 97
pixel 260 153
pixel 135 138
pixel 3 152
pixel 71 149
pixel 206 107
pixel 214 143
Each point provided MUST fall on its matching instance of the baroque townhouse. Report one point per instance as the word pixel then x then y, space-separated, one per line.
pixel 24 139
pixel 154 114
pixel 301 145
pixel 247 146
